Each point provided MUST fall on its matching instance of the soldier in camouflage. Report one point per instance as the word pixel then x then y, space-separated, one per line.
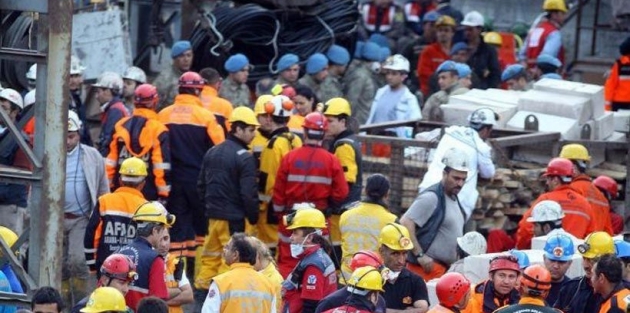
pixel 359 87
pixel 288 68
pixel 338 59
pixel 235 88
pixel 168 81
pixel 318 80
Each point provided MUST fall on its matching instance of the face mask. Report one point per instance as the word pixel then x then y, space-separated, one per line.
pixel 392 276
pixel 298 248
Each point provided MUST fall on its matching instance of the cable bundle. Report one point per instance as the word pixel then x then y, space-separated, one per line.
pixel 264 35
pixel 16 36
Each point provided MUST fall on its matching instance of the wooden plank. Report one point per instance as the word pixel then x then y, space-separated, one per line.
pixel 531 138
pixel 594 172
pixel 613 167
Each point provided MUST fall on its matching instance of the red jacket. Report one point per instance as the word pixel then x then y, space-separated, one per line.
pixel 578 220
pixel 536 42
pixel 431 57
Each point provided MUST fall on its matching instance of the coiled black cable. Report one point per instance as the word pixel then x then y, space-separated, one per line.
pixel 15 34
pixel 264 35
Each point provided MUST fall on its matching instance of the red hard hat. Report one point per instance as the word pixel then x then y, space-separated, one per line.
pixel 606 183
pixel 536 277
pixel 289 91
pixel 146 94
pixel 191 80
pixel 559 167
pixel 451 288
pixel 366 258
pixel 315 121
pixel 504 262
pixel 119 266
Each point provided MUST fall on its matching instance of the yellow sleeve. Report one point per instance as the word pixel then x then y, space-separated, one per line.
pixel 347 157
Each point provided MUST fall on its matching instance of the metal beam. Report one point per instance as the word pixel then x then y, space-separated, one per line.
pixel 12 175
pixel 9 255
pixel 17 135
pixel 526 139
pixel 22 55
pixel 21 5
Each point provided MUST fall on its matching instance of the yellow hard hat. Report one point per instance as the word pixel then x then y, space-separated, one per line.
pixel 259 107
pixel 305 217
pixel 555 5
pixel 337 106
pixel 133 170
pixel 493 38
pixel 105 299
pixel 575 151
pixel 597 244
pixel 395 237
pixel 367 278
pixel 153 212
pixel 245 115
pixel 8 236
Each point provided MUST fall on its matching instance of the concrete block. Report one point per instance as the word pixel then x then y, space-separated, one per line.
pixel 604 126
pixel 502 95
pixel 510 109
pixel 574 107
pixel 590 124
pixel 568 128
pixel 457 114
pixel 594 92
pixel 617 136
pixel 476 267
pixel 621 120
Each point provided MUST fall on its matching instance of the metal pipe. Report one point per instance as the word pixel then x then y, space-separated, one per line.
pixel 595 23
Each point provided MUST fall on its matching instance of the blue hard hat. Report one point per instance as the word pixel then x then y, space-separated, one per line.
pixel 511 72
pixel 551 76
pixel 559 248
pixel 458 47
pixel 548 59
pixel 287 61
pixel 338 55
pixel 316 63
pixel 379 39
pixel 236 63
pixel 622 249
pixel 463 69
pixel 431 16
pixel 523 259
pixel 180 47
pixel 371 51
pixel 447 66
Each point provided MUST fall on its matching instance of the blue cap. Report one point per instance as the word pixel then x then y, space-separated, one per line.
pixel 458 47
pixel 622 248
pixel 384 53
pixel 358 49
pixel 447 66
pixel 523 259
pixel 463 70
pixel 511 72
pixel 371 51
pixel 180 47
pixel 338 55
pixel 380 40
pixel 236 63
pixel 431 16
pixel 287 61
pixel 560 248
pixel 551 76
pixel 316 63
pixel 547 59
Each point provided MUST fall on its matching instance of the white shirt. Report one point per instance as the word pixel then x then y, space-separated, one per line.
pixel 479 160
pixel 212 304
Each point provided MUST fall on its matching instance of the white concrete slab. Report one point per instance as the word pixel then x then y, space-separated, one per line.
pixel 617 136
pixel 594 92
pixel 573 107
pixel 568 128
pixel 604 126
pixel 457 114
pixel 466 99
pixel 622 121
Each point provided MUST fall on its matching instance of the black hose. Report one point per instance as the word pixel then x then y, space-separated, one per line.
pixel 16 36
pixel 264 35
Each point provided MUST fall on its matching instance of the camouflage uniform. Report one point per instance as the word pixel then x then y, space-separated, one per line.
pixel 237 94
pixel 431 109
pixel 359 89
pixel 167 84
pixel 325 90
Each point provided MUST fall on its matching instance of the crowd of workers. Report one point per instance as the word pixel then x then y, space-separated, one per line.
pixel 236 200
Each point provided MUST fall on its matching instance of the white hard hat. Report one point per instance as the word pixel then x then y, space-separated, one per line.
pixel 482 116
pixel 109 80
pixel 74 123
pixel 396 62
pixel 29 98
pixel 546 211
pixel 282 106
pixel 136 74
pixel 32 72
pixel 472 243
pixel 75 66
pixel 456 159
pixel 12 96
pixel 473 19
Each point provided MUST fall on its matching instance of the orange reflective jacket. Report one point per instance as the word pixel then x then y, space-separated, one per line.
pixel 601 208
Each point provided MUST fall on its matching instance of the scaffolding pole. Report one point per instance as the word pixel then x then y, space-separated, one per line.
pixel 51 116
